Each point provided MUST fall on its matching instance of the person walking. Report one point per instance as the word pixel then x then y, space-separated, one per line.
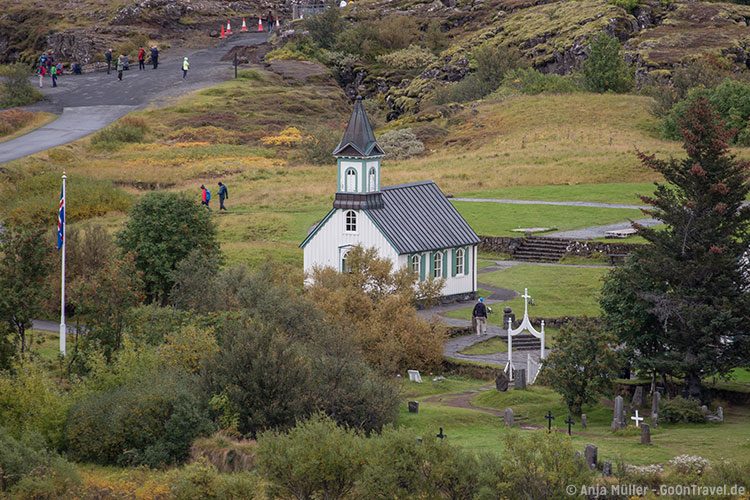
pixel 42 71
pixel 141 59
pixel 108 58
pixel 223 195
pixel 205 197
pixel 53 73
pixel 120 66
pixel 155 56
pixel 185 67
pixel 480 316
pixel 269 20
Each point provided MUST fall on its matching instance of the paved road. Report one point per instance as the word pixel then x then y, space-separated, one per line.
pixel 91 101
pixel 590 233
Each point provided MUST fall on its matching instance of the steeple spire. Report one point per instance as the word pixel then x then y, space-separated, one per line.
pixel 358 140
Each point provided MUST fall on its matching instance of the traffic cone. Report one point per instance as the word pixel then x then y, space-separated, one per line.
pixel 222 35
pixel 260 25
pixel 277 22
pixel 229 27
pixel 244 25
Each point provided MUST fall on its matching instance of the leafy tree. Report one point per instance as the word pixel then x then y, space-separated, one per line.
pixel 163 228
pixel 24 266
pixel 264 376
pixel 375 305
pixel 605 70
pixel 582 364
pixel 698 277
pixel 15 88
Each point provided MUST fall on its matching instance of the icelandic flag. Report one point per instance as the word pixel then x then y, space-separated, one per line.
pixel 61 220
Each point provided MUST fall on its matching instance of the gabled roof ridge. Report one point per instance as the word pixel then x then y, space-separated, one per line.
pixel 407 185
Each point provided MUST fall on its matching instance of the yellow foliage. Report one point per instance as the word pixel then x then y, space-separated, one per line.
pixel 186 348
pixel 290 136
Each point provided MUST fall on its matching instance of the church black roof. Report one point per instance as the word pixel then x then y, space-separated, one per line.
pixel 358 140
pixel 418 217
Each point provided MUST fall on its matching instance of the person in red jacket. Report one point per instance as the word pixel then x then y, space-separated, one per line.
pixel 205 196
pixel 141 59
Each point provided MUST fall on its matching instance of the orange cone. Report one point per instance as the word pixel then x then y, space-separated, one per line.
pixel 222 35
pixel 244 25
pixel 260 25
pixel 229 27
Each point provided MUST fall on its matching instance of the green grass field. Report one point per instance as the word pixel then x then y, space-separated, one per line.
pixel 491 346
pixel 557 291
pixel 619 193
pixel 498 219
pixel 476 430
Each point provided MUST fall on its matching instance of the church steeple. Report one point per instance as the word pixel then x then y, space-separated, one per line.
pixel 358 155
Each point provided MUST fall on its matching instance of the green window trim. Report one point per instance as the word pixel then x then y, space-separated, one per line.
pixel 466 260
pixel 422 266
pixel 445 264
pixel 453 262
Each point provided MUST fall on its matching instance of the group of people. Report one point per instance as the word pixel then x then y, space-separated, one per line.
pixel 206 196
pixel 122 62
pixel 47 66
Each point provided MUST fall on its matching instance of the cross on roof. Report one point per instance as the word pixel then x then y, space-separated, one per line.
pixel 637 419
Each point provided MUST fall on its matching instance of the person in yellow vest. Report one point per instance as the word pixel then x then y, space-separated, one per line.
pixel 185 67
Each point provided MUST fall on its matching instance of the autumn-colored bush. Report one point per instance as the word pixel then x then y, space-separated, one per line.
pixel 290 136
pixel 14 119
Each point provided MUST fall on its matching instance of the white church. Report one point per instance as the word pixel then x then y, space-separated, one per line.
pixel 411 224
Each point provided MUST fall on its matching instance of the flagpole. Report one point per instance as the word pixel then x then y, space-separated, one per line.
pixel 63 329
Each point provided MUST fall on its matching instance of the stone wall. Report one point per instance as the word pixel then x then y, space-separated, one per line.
pixel 585 248
pixel 499 244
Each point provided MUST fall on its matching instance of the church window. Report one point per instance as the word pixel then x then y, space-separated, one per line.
pixel 346 266
pixel 351 221
pixel 371 180
pixel 437 265
pixel 459 261
pixel 415 263
pixel 351 180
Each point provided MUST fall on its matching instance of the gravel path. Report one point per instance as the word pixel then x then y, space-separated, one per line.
pixel 91 101
pixel 590 233
pixel 592 204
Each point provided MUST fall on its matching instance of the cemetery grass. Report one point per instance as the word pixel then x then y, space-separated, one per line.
pixel 480 431
pixel 557 291
pixel 490 346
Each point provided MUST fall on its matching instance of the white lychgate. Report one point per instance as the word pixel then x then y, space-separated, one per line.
pixel 525 326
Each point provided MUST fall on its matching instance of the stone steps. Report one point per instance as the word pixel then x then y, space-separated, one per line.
pixel 541 249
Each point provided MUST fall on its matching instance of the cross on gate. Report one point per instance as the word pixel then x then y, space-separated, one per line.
pixel 440 435
pixel 549 418
pixel 570 422
pixel 637 419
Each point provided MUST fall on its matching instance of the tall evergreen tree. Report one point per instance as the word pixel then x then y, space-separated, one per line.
pixel 696 296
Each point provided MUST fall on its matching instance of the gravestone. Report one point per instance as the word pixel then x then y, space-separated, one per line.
pixel 607 469
pixel 520 381
pixel 704 410
pixel 413 406
pixel 414 376
pixel 720 414
pixel 508 417
pixel 584 421
pixel 508 315
pixel 637 400
pixel 655 402
pixel 617 420
pixel 591 454
pixel 654 420
pixel 501 382
pixel 645 434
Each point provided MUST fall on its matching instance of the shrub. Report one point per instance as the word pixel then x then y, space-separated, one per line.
pixel 492 62
pixel 681 409
pixel 14 119
pixel 290 136
pixel 731 99
pixel 531 81
pixel 401 143
pixel 689 464
pixel 605 70
pixel 318 146
pixel 127 130
pixel 316 458
pixel 413 58
pixel 15 89
pixel 324 27
pixel 202 480
pixel 150 421
pixel 56 478
pixel 628 5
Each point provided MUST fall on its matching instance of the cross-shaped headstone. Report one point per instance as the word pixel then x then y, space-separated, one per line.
pixel 526 298
pixel 441 435
pixel 637 419
pixel 549 418
pixel 570 422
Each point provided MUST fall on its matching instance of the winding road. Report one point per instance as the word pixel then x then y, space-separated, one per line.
pixel 89 102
